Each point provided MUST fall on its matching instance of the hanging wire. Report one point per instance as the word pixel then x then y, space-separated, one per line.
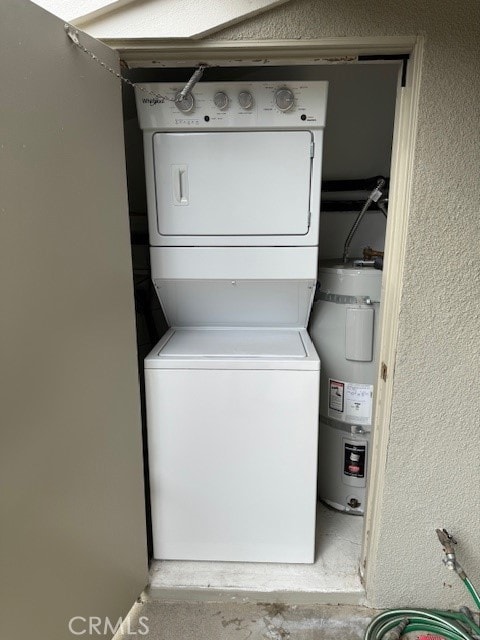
pixel 74 37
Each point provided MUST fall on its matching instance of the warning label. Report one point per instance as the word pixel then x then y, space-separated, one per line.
pixel 336 395
pixel 350 402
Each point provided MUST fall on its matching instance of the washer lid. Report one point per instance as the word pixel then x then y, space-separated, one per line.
pixel 234 344
pixel 234 348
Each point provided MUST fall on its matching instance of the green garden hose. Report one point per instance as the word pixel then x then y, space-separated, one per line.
pixel 472 591
pixel 392 624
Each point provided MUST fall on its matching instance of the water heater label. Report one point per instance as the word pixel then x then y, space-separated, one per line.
pixel 354 460
pixel 336 396
pixel 350 402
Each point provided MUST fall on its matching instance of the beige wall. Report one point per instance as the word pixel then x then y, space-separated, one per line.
pixel 433 476
pixel 72 535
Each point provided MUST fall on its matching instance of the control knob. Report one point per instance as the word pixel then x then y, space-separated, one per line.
pixel 245 99
pixel 220 100
pixel 284 99
pixel 186 105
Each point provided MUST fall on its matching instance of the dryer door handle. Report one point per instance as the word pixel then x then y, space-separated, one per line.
pixel 180 184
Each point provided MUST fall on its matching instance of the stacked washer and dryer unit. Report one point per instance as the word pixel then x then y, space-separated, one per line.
pixel 232 389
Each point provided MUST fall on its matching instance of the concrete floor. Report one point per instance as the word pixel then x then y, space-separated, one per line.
pixel 332 579
pixel 260 621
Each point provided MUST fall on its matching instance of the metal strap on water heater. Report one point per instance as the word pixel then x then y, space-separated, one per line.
pixel 344 299
pixel 353 429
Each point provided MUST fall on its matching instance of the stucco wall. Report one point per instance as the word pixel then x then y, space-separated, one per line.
pixel 433 474
pixel 153 18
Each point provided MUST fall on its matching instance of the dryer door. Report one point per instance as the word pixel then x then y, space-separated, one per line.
pixel 233 183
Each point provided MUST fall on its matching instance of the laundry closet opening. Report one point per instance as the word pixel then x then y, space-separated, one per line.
pixel 343 317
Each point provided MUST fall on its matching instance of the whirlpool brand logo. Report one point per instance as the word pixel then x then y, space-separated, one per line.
pixel 152 101
pixel 95 626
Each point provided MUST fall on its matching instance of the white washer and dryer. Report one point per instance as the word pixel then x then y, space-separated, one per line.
pixel 232 389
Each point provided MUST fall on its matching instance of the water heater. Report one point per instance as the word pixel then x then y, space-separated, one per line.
pixel 344 329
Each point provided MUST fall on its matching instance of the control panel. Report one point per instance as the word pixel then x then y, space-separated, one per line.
pixel 237 105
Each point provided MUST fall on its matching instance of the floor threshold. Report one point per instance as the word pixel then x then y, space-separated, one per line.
pixel 332 579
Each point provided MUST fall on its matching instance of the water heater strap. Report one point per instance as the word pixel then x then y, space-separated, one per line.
pixel 343 299
pixel 345 426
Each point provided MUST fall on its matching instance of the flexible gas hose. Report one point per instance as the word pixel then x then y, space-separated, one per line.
pixel 391 625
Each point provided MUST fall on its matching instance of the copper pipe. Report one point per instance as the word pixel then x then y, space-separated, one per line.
pixel 369 253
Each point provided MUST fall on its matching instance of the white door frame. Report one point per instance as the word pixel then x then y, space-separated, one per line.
pixel 162 53
pixel 325 51
pixel 401 179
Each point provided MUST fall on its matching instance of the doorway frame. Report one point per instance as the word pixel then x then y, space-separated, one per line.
pixel 345 50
